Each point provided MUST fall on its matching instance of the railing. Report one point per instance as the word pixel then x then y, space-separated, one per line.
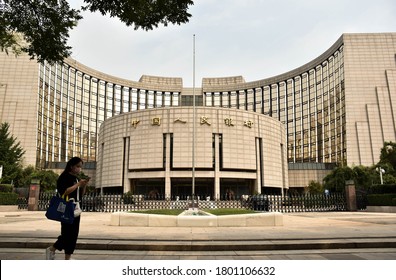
pixel 273 203
pixel 308 203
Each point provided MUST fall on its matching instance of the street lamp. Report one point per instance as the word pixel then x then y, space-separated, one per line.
pixel 381 171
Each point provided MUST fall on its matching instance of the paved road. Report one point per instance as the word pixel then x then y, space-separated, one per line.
pixel 330 254
pixel 306 236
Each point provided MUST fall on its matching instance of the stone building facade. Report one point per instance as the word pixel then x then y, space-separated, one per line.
pixel 153 152
pixel 336 109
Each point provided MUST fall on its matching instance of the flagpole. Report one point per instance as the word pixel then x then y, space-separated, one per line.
pixel 194 121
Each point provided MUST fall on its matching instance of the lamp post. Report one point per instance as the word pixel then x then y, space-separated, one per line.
pixel 381 171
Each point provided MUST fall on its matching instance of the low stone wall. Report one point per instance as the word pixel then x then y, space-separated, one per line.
pixel 382 209
pixel 8 208
pixel 152 220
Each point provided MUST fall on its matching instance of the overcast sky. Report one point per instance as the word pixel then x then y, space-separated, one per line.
pixel 256 39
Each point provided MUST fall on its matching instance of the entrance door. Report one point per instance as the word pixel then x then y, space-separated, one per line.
pixel 231 189
pixel 182 187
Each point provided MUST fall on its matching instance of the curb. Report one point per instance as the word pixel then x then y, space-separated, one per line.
pixel 198 245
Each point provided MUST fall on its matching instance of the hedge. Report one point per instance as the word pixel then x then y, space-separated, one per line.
pixel 381 199
pixel 6 188
pixel 8 198
pixel 382 189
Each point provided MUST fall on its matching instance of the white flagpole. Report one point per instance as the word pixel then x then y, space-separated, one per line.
pixel 194 121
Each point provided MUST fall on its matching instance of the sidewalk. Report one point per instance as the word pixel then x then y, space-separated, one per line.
pixel 24 230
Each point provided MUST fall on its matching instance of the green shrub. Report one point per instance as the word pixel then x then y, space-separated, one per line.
pixel 381 189
pixel 8 198
pixel 128 198
pixel 381 199
pixel 6 188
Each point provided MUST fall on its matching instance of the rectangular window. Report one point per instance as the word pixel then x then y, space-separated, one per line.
pixel 134 99
pixel 142 99
pixel 175 99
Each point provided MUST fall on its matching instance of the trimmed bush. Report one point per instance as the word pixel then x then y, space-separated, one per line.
pixel 8 198
pixel 381 189
pixel 7 188
pixel 381 199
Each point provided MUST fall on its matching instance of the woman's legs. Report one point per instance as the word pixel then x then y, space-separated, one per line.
pixel 68 239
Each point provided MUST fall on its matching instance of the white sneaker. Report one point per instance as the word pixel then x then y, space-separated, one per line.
pixel 49 255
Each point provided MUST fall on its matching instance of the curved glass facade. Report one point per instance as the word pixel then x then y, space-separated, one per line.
pixel 311 105
pixel 336 109
pixel 72 105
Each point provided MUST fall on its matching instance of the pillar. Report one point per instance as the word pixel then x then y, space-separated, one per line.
pixel 34 193
pixel 257 185
pixel 217 167
pixel 350 195
pixel 167 167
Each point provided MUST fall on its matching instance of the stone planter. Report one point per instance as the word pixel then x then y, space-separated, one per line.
pixel 152 220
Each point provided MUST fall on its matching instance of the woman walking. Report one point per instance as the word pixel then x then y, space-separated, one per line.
pixel 68 185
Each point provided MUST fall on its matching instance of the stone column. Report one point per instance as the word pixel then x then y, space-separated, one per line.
pixel 350 195
pixel 34 193
pixel 257 185
pixel 125 180
pixel 217 168
pixel 167 167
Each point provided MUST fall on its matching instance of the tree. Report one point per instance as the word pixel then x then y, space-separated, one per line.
pixel 23 177
pixel 364 176
pixel 335 181
pixel 387 162
pixel 48 179
pixel 314 187
pixel 143 14
pixel 11 154
pixel 45 24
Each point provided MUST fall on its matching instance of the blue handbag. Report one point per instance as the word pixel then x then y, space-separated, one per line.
pixel 60 210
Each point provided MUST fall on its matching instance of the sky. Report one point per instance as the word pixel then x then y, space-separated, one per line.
pixel 256 39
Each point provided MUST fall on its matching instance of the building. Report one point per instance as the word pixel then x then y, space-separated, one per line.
pixel 336 109
pixel 150 151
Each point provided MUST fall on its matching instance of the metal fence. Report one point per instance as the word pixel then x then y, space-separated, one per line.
pixel 273 203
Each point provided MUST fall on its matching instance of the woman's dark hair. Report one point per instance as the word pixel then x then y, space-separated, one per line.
pixel 73 161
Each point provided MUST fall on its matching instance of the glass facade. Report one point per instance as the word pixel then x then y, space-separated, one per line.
pixel 72 105
pixel 311 105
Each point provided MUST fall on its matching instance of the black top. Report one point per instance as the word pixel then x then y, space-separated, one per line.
pixel 66 180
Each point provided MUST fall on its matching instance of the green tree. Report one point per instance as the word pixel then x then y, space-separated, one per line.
pixel 335 181
pixel 143 14
pixel 44 25
pixel 364 176
pixel 48 179
pixel 24 176
pixel 388 154
pixel 41 27
pixel 314 187
pixel 11 154
pixel 388 163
